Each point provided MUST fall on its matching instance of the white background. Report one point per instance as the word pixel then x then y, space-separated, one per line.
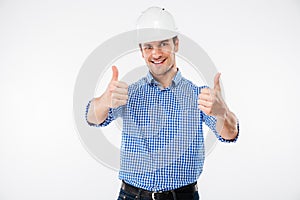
pixel 255 44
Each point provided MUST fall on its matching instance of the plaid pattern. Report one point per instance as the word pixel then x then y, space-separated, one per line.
pixel 162 138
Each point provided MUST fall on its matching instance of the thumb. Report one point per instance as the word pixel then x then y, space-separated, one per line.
pixel 217 82
pixel 115 75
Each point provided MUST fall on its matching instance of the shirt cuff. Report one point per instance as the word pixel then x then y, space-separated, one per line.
pixel 230 140
pixel 107 121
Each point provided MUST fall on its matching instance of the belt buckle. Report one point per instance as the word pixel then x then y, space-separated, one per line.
pixel 153 194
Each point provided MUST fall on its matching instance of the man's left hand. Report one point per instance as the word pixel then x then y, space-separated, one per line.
pixel 210 101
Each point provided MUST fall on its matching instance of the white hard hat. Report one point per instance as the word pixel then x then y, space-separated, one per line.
pixel 155 24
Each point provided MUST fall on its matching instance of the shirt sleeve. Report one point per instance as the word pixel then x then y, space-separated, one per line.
pixel 211 122
pixel 113 114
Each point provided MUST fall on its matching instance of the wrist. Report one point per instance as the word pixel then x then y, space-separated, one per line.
pixel 103 101
pixel 224 112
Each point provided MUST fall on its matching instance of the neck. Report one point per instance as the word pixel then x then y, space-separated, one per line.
pixel 166 79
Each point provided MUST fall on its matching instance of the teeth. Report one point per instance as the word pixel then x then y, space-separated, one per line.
pixel 157 62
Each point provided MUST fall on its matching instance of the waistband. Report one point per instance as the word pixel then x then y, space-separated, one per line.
pixel 156 195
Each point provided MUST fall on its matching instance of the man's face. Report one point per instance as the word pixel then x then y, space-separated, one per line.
pixel 160 55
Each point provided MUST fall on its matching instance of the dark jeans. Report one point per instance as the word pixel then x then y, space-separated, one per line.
pixel 127 196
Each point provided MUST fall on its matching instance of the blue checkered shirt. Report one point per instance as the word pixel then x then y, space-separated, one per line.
pixel 162 139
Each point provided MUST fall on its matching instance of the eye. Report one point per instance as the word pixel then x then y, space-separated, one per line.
pixel 163 44
pixel 147 47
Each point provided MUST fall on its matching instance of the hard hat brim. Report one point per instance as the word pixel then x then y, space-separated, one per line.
pixel 153 34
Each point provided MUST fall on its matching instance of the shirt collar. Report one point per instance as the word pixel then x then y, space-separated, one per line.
pixel 177 78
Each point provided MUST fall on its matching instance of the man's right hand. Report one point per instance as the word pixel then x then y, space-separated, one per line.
pixel 115 95
pixel 117 91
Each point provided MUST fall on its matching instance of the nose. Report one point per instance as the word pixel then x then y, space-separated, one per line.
pixel 156 52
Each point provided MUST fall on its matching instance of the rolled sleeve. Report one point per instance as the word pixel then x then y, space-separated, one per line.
pixel 211 122
pixel 113 114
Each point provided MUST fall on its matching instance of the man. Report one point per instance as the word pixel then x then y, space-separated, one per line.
pixel 162 151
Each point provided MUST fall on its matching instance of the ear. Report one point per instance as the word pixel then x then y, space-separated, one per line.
pixel 140 45
pixel 176 45
pixel 142 53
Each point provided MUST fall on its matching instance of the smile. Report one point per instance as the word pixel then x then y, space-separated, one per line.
pixel 158 61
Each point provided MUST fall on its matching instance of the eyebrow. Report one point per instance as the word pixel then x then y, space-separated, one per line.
pixel 164 41
pixel 148 44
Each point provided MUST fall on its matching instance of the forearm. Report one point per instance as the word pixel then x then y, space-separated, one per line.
pixel 98 110
pixel 227 125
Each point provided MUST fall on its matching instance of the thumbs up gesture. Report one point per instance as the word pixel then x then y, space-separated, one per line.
pixel 210 101
pixel 117 91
